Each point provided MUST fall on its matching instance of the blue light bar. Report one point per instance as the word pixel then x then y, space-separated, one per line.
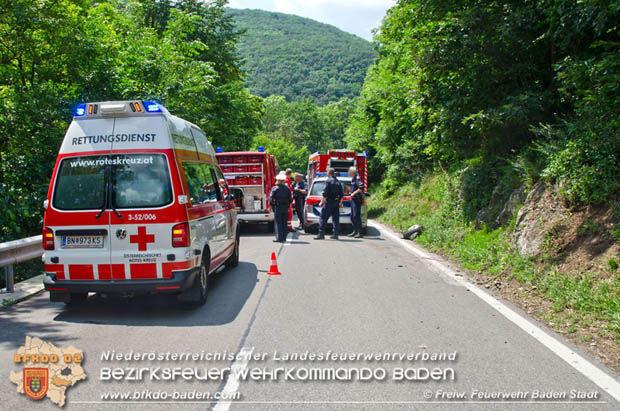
pixel 151 107
pixel 261 149
pixel 80 110
pixel 218 150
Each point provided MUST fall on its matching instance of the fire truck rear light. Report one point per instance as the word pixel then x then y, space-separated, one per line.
pixel 48 239
pixel 56 289
pixel 180 235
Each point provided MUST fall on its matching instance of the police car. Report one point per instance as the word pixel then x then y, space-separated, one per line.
pixel 137 203
pixel 312 212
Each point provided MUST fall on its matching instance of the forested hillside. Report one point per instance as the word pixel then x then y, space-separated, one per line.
pixel 496 126
pixel 297 57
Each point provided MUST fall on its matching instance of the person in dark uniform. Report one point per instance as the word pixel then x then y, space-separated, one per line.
pixel 331 203
pixel 300 190
pixel 357 193
pixel 280 202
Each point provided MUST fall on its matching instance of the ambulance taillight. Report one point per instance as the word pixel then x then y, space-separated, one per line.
pixel 48 239
pixel 180 235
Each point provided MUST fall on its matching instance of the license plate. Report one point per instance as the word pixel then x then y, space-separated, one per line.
pixel 82 241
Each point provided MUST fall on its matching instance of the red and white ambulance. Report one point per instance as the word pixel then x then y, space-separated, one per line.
pixel 250 176
pixel 137 203
pixel 341 161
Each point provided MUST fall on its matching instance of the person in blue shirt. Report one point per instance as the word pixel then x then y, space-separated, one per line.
pixel 280 202
pixel 331 203
pixel 357 194
pixel 300 190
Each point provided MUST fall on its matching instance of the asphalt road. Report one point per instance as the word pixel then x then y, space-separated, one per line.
pixel 351 296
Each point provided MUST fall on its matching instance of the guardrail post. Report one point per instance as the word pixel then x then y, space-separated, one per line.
pixel 9 279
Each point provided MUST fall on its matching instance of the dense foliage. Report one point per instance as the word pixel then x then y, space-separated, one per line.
pixel 54 54
pixel 487 89
pixel 297 57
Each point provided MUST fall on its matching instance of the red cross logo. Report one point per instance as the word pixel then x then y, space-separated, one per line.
pixel 142 238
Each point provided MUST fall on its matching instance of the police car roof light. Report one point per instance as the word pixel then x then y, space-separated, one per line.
pixel 151 106
pixel 80 110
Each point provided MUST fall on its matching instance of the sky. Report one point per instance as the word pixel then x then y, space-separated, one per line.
pixel 354 16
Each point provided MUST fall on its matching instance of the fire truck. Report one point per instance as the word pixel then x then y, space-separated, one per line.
pixel 250 176
pixel 341 161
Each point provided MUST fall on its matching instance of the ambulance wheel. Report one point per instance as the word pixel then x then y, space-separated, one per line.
pixel 233 260
pixel 197 294
pixel 271 227
pixel 77 298
pixel 202 280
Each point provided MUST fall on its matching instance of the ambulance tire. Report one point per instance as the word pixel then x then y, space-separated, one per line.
pixel 233 260
pixel 197 294
pixel 77 298
pixel 271 227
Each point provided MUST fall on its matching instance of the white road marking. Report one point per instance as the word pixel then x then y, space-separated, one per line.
pixel 589 370
pixel 232 384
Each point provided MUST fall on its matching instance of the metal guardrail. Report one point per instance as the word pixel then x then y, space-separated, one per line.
pixel 13 252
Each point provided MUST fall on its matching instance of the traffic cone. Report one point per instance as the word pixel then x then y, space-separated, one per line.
pixel 273 268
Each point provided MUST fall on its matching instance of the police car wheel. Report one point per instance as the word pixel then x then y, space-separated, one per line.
pixel 310 229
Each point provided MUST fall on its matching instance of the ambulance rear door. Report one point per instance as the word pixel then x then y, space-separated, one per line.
pixel 143 211
pixel 78 212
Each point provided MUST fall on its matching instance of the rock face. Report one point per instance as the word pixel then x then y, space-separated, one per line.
pixel 529 232
pixel 496 204
pixel 517 197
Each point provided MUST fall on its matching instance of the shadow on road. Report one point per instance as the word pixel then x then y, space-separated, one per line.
pixel 16 322
pixel 229 291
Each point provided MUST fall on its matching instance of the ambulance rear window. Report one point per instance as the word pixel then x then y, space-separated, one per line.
pixel 138 181
pixel 80 184
pixel 141 181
